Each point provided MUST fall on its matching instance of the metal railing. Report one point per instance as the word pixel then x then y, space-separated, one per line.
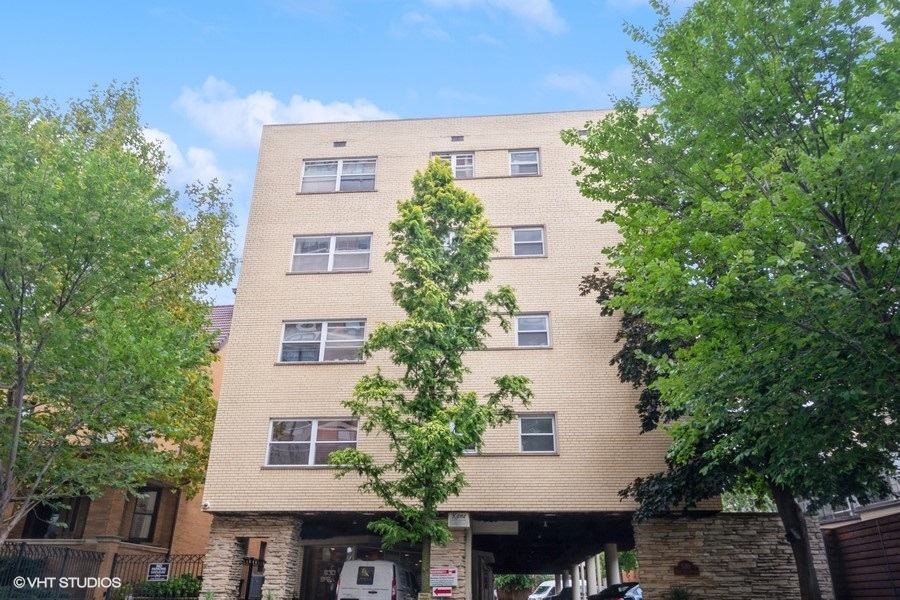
pixel 43 572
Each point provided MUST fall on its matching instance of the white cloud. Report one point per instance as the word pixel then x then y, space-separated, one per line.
pixel 237 121
pixel 538 13
pixel 616 83
pixel 197 163
pixel 425 24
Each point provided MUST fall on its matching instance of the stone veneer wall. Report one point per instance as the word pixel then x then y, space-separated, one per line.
pixel 227 547
pixel 738 556
pixel 454 554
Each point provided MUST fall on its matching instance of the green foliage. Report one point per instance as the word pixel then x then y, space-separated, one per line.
pixel 679 593
pixel 759 262
pixel 628 560
pixel 185 585
pixel 441 245
pixel 517 582
pixel 103 351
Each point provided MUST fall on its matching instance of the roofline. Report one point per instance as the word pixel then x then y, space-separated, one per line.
pixel 446 118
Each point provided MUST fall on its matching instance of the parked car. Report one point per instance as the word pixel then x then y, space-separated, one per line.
pixel 620 591
pixel 544 590
pixel 376 580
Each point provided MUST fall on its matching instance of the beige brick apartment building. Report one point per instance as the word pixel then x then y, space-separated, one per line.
pixel 544 489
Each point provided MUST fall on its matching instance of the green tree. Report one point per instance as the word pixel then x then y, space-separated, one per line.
pixel 441 247
pixel 758 206
pixel 103 351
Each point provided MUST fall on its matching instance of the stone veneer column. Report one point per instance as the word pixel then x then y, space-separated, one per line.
pixel 728 555
pixel 454 554
pixel 228 545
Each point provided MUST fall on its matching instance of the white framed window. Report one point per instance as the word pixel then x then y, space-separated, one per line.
pixel 528 241
pixel 338 175
pixel 524 162
pixel 308 442
pixel 537 433
pixel 322 341
pixel 324 253
pixel 532 331
pixel 463 165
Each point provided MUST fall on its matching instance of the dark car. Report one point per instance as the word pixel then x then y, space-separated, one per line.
pixel 565 594
pixel 620 591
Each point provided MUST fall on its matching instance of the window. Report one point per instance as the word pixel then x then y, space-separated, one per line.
pixel 537 433
pixel 331 253
pixel 528 241
pixel 340 175
pixel 145 509
pixel 523 162
pixel 532 330
pixel 322 341
pixel 463 165
pixel 309 442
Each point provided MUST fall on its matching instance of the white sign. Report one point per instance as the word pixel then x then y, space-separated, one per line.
pixel 458 520
pixel 442 592
pixel 444 577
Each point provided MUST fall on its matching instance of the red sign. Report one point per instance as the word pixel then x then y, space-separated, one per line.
pixel 441 592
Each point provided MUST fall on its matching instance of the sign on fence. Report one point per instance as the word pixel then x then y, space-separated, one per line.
pixel 158 572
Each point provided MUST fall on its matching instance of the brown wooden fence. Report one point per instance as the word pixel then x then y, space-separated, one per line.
pixel 864 558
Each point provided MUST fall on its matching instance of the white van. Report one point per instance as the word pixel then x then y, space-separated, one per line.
pixel 544 590
pixel 376 580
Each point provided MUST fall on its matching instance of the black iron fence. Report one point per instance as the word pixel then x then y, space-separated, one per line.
pixel 148 576
pixel 50 572
pixel 253 577
pixel 42 572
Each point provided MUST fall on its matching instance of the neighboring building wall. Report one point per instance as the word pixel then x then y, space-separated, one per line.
pixel 736 556
pixel 865 558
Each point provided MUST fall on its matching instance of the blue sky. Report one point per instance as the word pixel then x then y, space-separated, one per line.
pixel 212 73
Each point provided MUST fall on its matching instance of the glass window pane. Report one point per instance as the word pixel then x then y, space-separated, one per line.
pixel 537 443
pixel 312 245
pixel 302 332
pixel 533 339
pixel 291 431
pixel 320 168
pixel 358 183
pixel 352 243
pixel 351 262
pixel 530 249
pixel 537 425
pixel 300 352
pixel 333 431
pixel 305 263
pixel 345 331
pixel 528 235
pixel 535 323
pixel 358 167
pixel 317 185
pixel 324 450
pixel 524 169
pixel 529 156
pixel 342 352
pixel 140 527
pixel 288 454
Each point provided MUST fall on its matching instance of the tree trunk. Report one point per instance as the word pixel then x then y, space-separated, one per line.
pixel 797 534
pixel 425 578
